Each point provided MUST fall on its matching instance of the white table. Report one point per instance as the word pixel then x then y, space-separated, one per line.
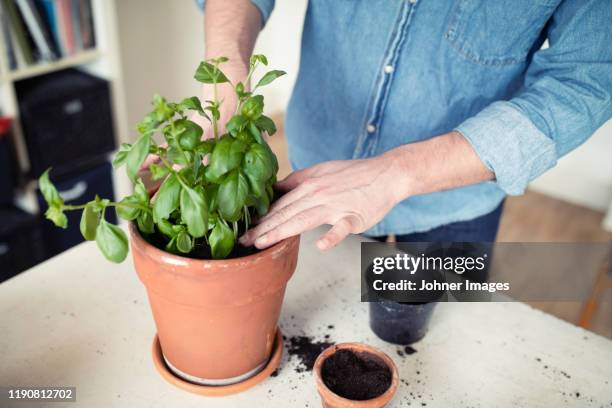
pixel 77 320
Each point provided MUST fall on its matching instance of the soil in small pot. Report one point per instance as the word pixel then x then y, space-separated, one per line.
pixel 356 376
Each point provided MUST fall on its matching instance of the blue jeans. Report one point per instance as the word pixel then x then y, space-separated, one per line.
pixel 481 229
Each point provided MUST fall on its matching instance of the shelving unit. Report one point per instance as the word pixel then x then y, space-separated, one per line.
pixel 82 58
pixel 103 61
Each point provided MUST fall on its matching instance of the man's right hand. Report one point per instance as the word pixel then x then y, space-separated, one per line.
pixel 230 30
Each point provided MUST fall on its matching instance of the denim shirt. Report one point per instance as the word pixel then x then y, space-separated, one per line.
pixel 377 74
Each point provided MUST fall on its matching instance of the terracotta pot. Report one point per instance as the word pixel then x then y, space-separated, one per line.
pixel 216 319
pixel 332 400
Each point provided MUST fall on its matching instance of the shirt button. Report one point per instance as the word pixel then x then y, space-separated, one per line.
pixel 388 69
pixel 371 128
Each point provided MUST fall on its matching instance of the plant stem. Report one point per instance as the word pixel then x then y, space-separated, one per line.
pixel 110 204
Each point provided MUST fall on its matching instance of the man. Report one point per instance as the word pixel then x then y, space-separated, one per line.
pixel 417 117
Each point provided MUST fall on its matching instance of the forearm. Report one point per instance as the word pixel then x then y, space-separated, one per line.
pixel 231 28
pixel 440 163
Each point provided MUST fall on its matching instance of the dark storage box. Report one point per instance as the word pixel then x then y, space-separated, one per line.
pixel 77 189
pixel 21 241
pixel 66 119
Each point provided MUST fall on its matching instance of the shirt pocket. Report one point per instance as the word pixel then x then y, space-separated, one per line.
pixel 495 32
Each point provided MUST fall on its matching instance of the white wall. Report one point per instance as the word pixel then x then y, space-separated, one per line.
pixel 161 46
pixel 584 176
pixel 162 43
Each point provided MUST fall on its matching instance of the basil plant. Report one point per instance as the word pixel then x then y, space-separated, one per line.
pixel 211 188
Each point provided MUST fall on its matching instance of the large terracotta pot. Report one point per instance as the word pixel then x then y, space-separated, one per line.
pixel 216 319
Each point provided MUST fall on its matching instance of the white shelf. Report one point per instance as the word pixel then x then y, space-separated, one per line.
pixel 83 57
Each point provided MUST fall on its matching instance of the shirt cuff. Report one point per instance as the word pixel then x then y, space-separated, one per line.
pixel 265 8
pixel 510 145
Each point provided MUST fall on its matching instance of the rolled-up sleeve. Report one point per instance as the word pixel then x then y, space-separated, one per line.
pixel 566 97
pixel 265 8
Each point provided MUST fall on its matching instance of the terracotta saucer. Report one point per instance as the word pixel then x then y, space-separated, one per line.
pixel 219 390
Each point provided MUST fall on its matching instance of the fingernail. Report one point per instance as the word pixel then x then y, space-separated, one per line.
pixel 261 241
pixel 244 240
pixel 322 244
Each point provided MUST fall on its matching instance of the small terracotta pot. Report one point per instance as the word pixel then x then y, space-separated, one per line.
pixel 216 319
pixel 332 400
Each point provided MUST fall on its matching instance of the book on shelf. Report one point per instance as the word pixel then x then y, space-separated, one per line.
pixel 45 30
pixel 9 49
pixel 38 31
pixel 19 31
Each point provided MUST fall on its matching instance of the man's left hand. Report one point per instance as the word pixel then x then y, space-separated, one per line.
pixel 350 195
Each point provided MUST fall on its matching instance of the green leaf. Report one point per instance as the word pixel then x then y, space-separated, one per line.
pixel 193 104
pixel 126 208
pixel 49 191
pixel 254 130
pixel 90 218
pixel 176 156
pixel 219 60
pixel 258 58
pixel 121 155
pixel 194 210
pixel 207 73
pixel 211 197
pixel 240 91
pixel 184 243
pixel 112 241
pixel 205 147
pixel 136 155
pixel 162 109
pixel 262 204
pixel 266 124
pixel 148 124
pixel 258 187
pixel 272 156
pixel 221 240
pixel 214 111
pixel 226 156
pixel 158 172
pixel 167 198
pixel 253 107
pixel 140 192
pixel 236 124
pixel 245 136
pixel 188 132
pixel 270 189
pixel 145 222
pixel 232 195
pixel 165 227
pixel 55 214
pixel 258 163
pixel 269 77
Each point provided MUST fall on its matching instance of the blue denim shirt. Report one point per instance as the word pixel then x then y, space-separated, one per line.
pixel 376 74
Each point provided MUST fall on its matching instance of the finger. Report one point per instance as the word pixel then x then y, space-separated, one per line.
pixel 288 199
pixel 294 179
pixel 149 160
pixel 301 222
pixel 337 233
pixel 270 222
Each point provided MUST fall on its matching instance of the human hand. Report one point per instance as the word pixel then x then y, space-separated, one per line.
pixel 351 195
